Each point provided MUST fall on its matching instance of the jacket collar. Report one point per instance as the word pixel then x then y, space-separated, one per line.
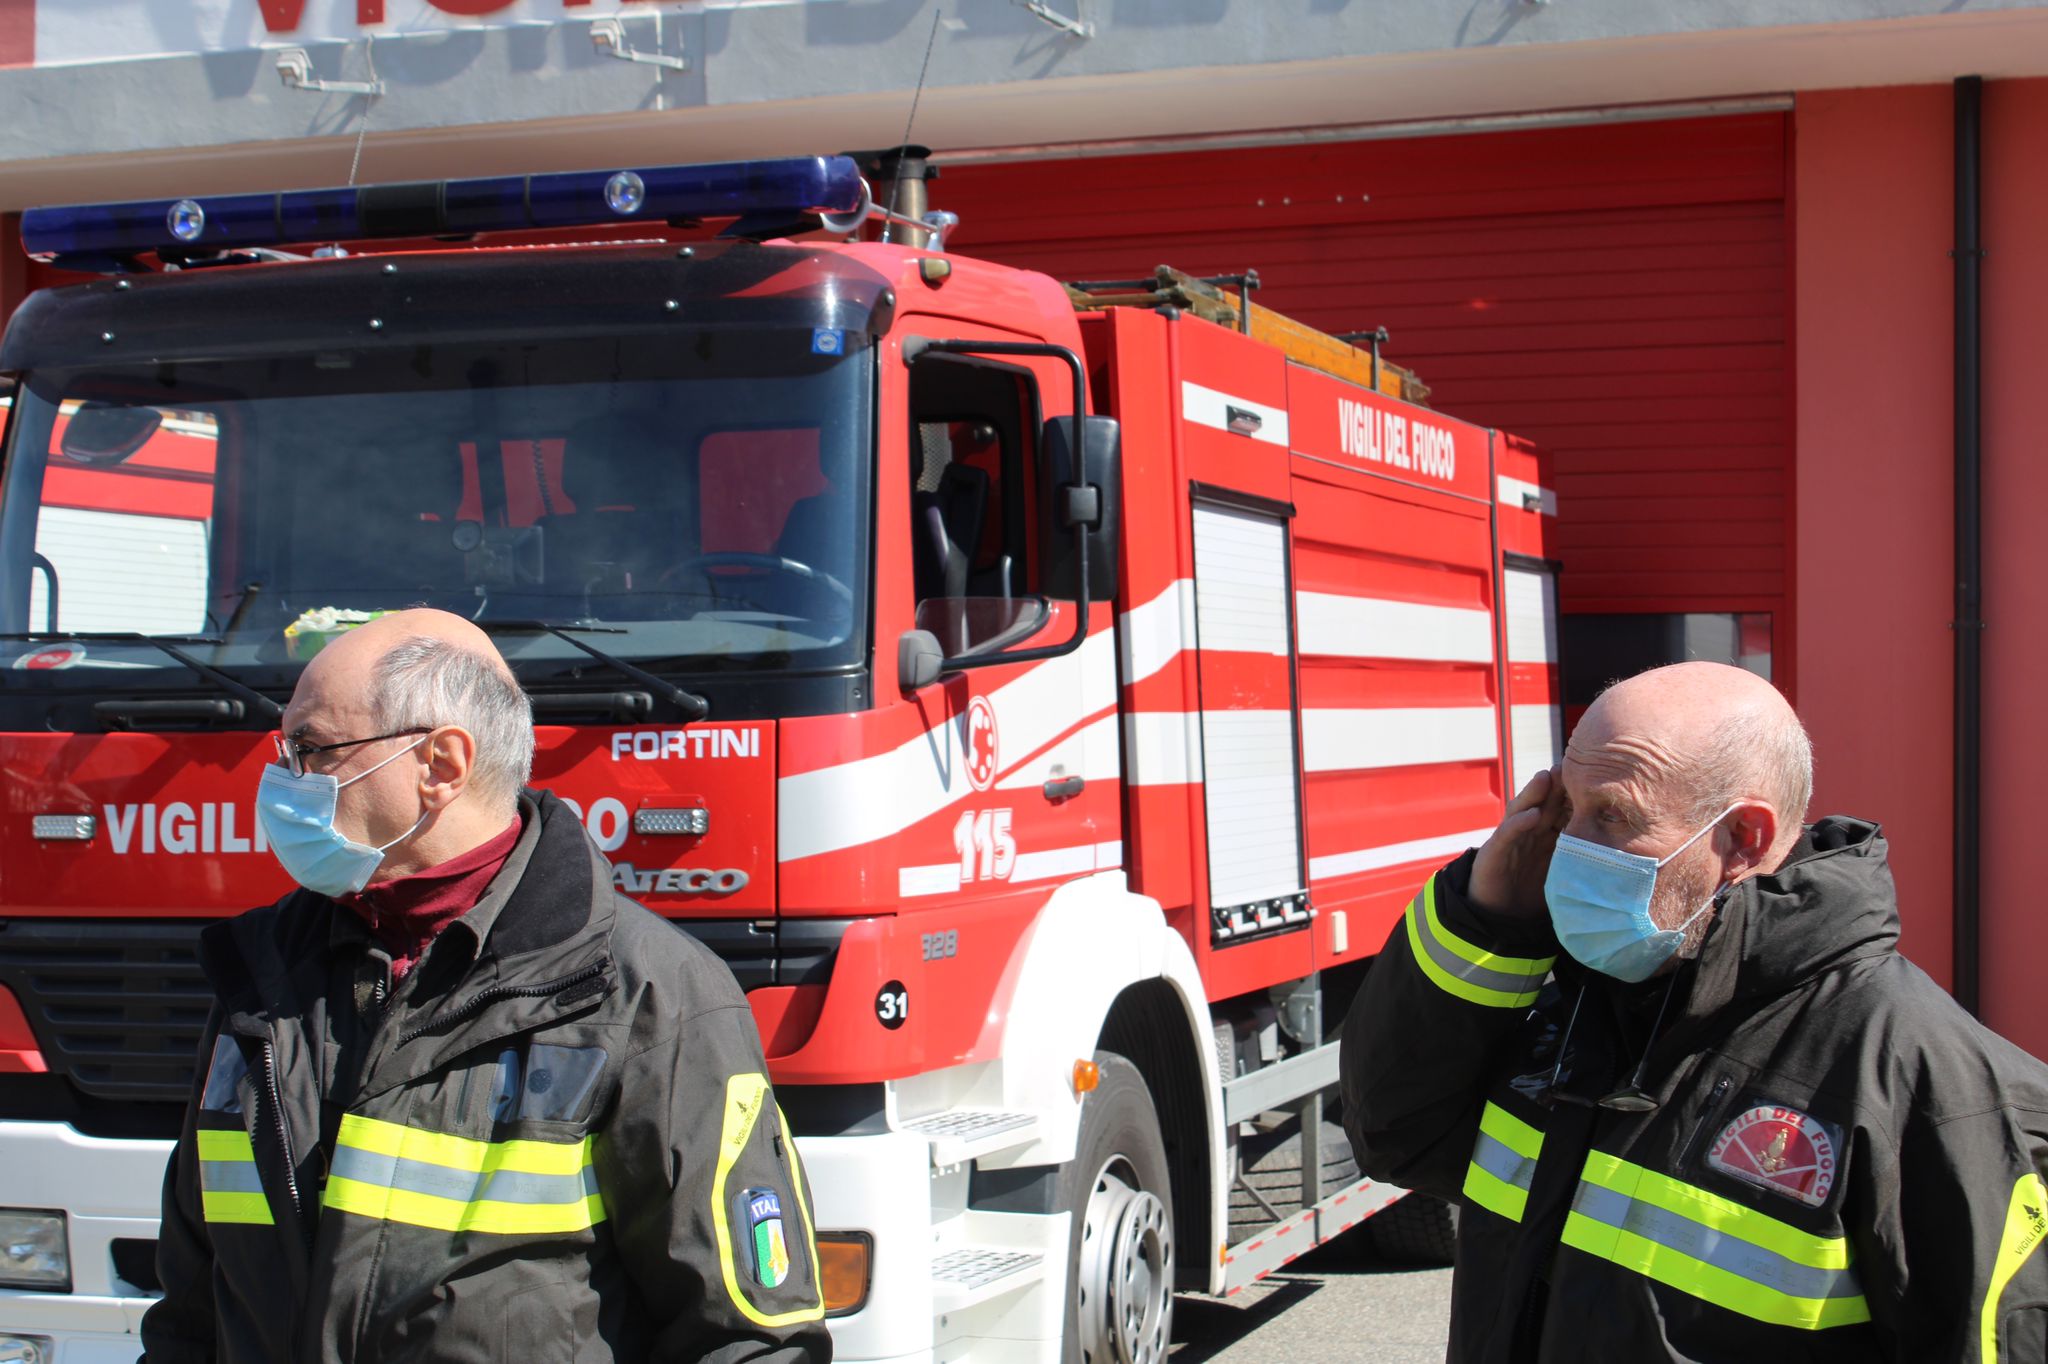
pixel 547 916
pixel 1832 903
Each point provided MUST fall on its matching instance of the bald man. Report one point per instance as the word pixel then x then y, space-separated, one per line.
pixel 458 1100
pixel 1656 1041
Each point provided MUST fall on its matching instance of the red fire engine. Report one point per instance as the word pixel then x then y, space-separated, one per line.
pixel 1045 706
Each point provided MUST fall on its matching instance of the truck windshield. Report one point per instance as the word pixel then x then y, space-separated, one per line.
pixel 699 497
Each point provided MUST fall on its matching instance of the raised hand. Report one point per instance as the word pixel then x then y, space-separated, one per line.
pixel 1507 876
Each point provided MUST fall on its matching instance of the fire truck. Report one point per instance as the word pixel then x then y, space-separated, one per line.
pixel 1045 700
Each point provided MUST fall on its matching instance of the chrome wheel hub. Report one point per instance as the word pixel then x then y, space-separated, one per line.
pixel 1125 1278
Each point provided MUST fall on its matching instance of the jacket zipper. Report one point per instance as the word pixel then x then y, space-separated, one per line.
pixel 497 992
pixel 284 1137
pixel 1714 1097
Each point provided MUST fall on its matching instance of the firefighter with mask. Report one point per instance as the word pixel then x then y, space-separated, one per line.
pixel 457 1100
pixel 1656 1041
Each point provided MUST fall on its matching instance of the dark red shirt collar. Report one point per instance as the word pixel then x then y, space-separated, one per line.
pixel 406 912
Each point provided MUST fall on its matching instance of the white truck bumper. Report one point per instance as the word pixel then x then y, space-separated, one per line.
pixel 881 1184
pixel 109 1190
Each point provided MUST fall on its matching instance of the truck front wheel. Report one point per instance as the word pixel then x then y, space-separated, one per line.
pixel 1120 1245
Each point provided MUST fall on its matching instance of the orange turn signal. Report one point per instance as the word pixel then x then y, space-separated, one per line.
pixel 1087 1075
pixel 845 1263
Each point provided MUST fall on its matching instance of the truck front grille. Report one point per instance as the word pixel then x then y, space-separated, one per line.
pixel 116 1006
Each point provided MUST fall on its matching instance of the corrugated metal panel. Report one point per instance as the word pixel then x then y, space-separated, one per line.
pixel 117 571
pixel 1530 597
pixel 1616 293
pixel 1248 763
pixel 1532 615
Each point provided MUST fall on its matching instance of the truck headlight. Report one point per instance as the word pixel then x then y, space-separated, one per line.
pixel 25 1350
pixel 34 1252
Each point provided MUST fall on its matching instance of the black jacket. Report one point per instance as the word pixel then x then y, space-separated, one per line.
pixel 553 1140
pixel 1842 1164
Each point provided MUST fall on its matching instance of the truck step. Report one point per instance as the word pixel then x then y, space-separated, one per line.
pixel 972 1274
pixel 966 1133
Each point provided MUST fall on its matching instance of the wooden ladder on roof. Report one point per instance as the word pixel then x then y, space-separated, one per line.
pixel 1208 299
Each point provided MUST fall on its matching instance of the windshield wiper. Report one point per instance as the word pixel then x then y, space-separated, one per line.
pixel 263 705
pixel 692 706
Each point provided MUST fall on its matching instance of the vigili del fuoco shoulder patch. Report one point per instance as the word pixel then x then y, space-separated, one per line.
pixel 1780 1149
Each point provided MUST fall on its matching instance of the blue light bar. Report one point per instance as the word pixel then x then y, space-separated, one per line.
pixel 760 190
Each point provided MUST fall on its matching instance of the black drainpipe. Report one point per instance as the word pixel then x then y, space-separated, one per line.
pixel 1969 625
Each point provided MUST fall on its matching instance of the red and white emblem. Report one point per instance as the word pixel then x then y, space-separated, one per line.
pixel 56 656
pixel 981 743
pixel 1780 1149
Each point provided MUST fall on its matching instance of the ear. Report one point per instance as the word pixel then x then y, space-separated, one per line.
pixel 451 759
pixel 1750 830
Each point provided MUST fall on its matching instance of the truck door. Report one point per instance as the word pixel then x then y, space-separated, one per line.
pixel 960 806
pixel 1039 739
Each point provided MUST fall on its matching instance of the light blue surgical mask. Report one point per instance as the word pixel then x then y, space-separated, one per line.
pixel 1599 902
pixel 297 814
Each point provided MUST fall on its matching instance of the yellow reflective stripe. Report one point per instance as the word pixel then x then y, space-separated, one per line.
pixel 449 1214
pixel 1479 956
pixel 1503 1163
pixel 227 1158
pixel 1675 1269
pixel 250 1209
pixel 1489 1191
pixel 1712 1248
pixel 1711 1210
pixel 1478 976
pixel 413 1207
pixel 2026 1222
pixel 225 1144
pixel 461 1153
pixel 796 1184
pixel 743 1102
pixel 1511 1132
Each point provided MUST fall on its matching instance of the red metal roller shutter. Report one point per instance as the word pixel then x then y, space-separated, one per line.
pixel 1615 292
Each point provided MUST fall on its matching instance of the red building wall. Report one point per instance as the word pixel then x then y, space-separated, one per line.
pixel 1872 302
pixel 1873 222
pixel 2015 928
pixel 1616 292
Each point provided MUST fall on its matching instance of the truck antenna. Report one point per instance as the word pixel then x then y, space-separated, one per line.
pixel 363 123
pixel 896 187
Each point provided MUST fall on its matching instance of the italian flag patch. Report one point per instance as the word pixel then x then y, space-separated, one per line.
pixel 771 1248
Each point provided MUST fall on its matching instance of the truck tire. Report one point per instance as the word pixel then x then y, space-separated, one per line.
pixel 1417 1230
pixel 1274 1174
pixel 1120 1246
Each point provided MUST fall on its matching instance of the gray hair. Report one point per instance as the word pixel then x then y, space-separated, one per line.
pixel 1755 753
pixel 424 682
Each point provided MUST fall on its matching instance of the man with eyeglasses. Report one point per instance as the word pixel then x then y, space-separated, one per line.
pixel 1656 1041
pixel 458 1100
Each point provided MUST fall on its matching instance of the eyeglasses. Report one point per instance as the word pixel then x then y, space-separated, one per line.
pixel 294 752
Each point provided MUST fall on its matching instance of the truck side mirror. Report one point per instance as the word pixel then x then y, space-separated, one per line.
pixel 1081 491
pixel 918 659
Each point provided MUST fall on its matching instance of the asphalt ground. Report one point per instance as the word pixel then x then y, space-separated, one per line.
pixel 1336 1304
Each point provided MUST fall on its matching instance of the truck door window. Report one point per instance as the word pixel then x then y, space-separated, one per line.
pixel 973 503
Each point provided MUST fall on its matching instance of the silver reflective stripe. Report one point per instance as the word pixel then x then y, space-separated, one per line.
pixel 1484 977
pixel 229 1176
pixel 463 1186
pixel 1719 1249
pixel 1503 1164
